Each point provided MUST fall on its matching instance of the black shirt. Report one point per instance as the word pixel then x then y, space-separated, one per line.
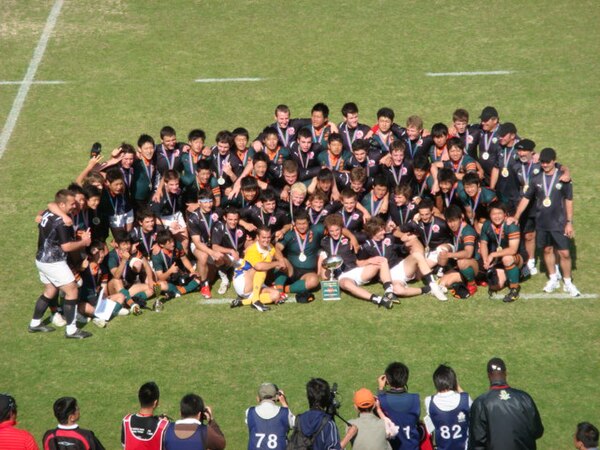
pixel 52 234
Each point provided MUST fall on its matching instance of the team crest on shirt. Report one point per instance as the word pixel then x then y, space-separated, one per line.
pixel 504 395
pixel 239 233
pixel 536 171
pixel 355 216
pixel 461 417
pixel 344 241
pixel 371 163
pixel 411 206
pixel 420 142
pixel 469 139
pixel 358 134
pixel 494 140
pixel 214 216
pixel 387 241
pixel 290 131
pixel 311 155
pixel 272 220
pixel 435 228
pixel 404 170
pixel 558 186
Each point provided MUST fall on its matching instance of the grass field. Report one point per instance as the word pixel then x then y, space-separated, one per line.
pixel 129 67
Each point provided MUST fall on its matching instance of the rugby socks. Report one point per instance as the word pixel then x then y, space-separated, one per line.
pixel 426 289
pixel 257 284
pixel 118 308
pixel 191 287
pixel 40 308
pixel 512 273
pixel 264 299
pixel 297 286
pixel 70 310
pixel 468 273
pixel 387 286
pixel 375 299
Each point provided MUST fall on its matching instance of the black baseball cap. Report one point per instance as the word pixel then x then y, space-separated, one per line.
pixel 525 144
pixel 487 113
pixel 7 405
pixel 507 128
pixel 496 365
pixel 548 154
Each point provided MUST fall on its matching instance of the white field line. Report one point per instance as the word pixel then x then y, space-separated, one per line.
pixel 466 74
pixel 38 54
pixel 9 83
pixel 549 296
pixel 226 80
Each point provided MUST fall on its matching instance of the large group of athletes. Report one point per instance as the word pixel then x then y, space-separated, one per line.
pixel 501 418
pixel 456 207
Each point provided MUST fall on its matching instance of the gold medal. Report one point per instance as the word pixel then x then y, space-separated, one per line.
pixel 499 248
pixel 426 251
pixel 525 188
pixel 547 202
pixel 505 172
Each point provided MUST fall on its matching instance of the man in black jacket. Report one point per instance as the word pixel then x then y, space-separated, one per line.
pixel 503 418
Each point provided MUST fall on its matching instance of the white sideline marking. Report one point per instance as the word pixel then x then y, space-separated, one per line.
pixel 462 74
pixel 38 54
pixel 225 80
pixel 6 83
pixel 549 296
pixel 227 301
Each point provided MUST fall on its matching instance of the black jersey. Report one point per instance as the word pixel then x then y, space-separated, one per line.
pixel 145 240
pixel 168 159
pixel 549 195
pixel 434 233
pixel 308 163
pixel 470 139
pixel 225 237
pixel 340 247
pixel 201 224
pixel 275 220
pixel 286 135
pixel 397 175
pixel 390 247
pixel 168 204
pixel 489 148
pixel 52 233
pixel 401 214
pixel 67 438
pixel 349 135
pixel 508 187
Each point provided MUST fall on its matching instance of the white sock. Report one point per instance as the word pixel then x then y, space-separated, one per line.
pixel 531 262
pixel 223 276
pixel 554 276
pixel 567 281
pixel 35 323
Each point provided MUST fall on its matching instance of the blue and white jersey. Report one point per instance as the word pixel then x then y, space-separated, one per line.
pixel 268 434
pixel 403 409
pixel 451 427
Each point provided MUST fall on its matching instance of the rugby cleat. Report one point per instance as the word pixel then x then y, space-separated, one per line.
pixel 58 320
pixel 41 328
pixel 79 334
pixel 223 286
pixel 513 295
pixel 437 292
pixel 551 286
pixel 571 290
pixel 100 323
pixel 236 302
pixel 205 291
pixel 258 305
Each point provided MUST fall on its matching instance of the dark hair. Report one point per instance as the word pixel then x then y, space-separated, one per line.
pixel 301 215
pixel 335 137
pixel 348 193
pixel 191 405
pixel 121 236
pixel 240 131
pixel 61 196
pixel 289 166
pixel 63 408
pixel 349 108
pixel 460 114
pixel 373 226
pixel 318 394
pixel 321 107
pixel 397 375
pixel 425 203
pixel 164 236
pixel 334 220
pixel 261 156
pixel 127 148
pixel 89 190
pixel 282 108
pixel 304 133
pixel 148 394
pixel 387 113
pixel 144 213
pixel 145 138
pixel 421 162
pixel 587 434
pixel 497 204
pixel 398 145
pixel 444 378
pixel 75 188
pixel 360 144
pixel 446 176
pixel 196 134
pixel 269 130
pixel 380 180
pixel 203 164
pixel 224 136
pixel 263 227
pixel 438 130
pixel 249 184
pixel 455 142
pixel 453 212
pixel 268 195
pixel 167 131
pixel 11 407
pixel 325 174
pixel 171 175
pixel 471 178
pixel 114 174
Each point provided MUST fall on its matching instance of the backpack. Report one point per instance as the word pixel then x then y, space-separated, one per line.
pixel 299 441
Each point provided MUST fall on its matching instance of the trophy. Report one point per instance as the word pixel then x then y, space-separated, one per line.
pixel 331 287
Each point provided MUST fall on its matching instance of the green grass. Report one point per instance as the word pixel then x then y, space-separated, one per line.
pixel 130 68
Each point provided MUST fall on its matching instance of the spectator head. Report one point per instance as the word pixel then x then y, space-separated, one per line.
pixel 396 375
pixel 148 395
pixel 364 400
pixel 66 410
pixel 191 406
pixel 318 394
pixel 496 369
pixel 586 436
pixel 8 407
pixel 444 379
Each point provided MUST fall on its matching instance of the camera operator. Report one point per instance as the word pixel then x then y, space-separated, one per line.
pixel 268 423
pixel 190 431
pixel 317 423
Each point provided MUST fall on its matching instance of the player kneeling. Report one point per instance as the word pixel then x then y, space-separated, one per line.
pixel 251 272
pixel 354 273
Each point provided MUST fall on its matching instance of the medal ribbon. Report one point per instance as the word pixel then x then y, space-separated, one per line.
pixel 301 243
pixel 283 137
pixel 315 221
pixel 487 140
pixel 457 236
pixel 548 188
pixel 397 178
pixel 500 235
pixel 334 250
pixel 346 222
pixel 147 244
pixel 375 205
pixel 231 238
pixel 208 223
pixel 171 159
pixel 506 156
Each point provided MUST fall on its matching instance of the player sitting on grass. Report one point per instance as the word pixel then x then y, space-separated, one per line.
pixel 463 253
pixel 173 269
pixel 251 272
pixel 354 273
pixel 501 252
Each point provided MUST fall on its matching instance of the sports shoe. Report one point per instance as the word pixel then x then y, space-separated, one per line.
pixel 135 309
pixel 513 294
pixel 123 312
pixel 41 328
pixel 58 320
pixel 387 301
pixel 79 334
pixel 551 286
pixel 100 323
pixel 258 305
pixel 558 274
pixel 158 306
pixel 80 318
pixel 437 292
pixel 170 295
pixel 205 291
pixel 440 272
pixel 571 290
pixel 223 286
pixel 472 288
pixel 532 269
pixel 236 302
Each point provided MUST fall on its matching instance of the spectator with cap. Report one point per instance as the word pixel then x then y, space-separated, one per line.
pixel 371 429
pixel 504 417
pixel 12 438
pixel 269 423
pixel 586 436
pixel 68 435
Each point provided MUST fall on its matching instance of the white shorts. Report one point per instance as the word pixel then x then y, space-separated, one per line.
pixel 171 218
pixel 57 273
pixel 399 274
pixel 239 284
pixel 433 255
pixel 354 275
pixel 120 220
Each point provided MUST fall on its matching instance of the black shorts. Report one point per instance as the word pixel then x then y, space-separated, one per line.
pixel 299 273
pixel 556 239
pixel 527 224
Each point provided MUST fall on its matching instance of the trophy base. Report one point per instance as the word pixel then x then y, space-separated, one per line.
pixel 330 290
